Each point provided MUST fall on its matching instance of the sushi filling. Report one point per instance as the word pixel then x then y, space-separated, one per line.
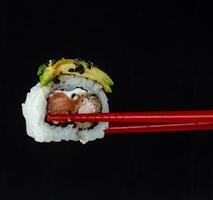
pixel 77 101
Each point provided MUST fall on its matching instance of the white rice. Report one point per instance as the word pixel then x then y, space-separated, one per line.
pixel 34 111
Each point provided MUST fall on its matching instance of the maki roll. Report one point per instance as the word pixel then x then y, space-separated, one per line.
pixel 67 86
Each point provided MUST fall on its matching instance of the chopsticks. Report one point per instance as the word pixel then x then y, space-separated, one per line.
pixel 144 121
pixel 145 117
pixel 158 128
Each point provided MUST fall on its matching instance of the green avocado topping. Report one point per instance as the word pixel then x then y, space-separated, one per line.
pixel 48 72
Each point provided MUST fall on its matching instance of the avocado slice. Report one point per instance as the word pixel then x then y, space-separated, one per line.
pixel 48 72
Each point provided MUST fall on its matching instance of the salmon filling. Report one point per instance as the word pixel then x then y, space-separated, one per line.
pixel 74 102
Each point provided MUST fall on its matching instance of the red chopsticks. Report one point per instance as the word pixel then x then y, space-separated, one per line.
pixel 159 128
pixel 128 122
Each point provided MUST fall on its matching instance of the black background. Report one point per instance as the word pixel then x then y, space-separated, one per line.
pixel 160 58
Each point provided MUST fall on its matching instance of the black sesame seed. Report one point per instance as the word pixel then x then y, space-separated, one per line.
pixel 71 70
pixel 80 69
pixel 64 124
pixel 89 64
pixel 57 81
pixel 82 88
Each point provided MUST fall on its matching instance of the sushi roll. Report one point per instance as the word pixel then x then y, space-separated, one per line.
pixel 67 86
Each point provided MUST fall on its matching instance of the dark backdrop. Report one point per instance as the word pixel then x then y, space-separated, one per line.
pixel 160 58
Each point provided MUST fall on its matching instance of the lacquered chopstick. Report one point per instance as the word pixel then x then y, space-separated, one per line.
pixel 145 117
pixel 132 122
pixel 158 128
